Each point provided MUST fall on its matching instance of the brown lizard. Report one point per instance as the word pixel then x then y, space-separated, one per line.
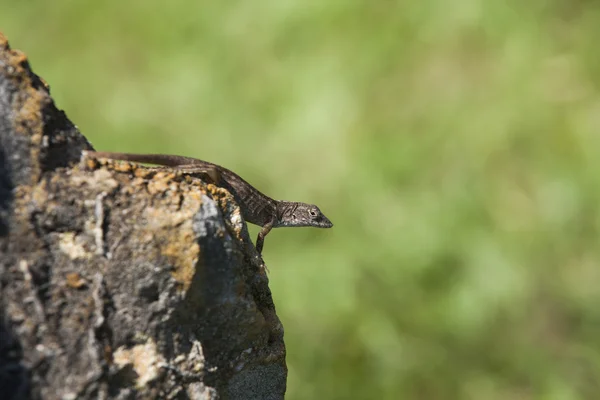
pixel 256 207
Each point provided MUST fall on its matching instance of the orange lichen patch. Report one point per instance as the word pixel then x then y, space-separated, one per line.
pixel 75 280
pixel 121 166
pixel 15 60
pixel 151 180
pixel 19 58
pixel 91 163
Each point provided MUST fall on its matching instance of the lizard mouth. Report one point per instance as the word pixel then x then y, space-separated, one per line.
pixel 325 223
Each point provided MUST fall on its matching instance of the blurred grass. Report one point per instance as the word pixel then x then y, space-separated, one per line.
pixel 454 145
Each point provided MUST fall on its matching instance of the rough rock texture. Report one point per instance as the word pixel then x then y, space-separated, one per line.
pixel 118 281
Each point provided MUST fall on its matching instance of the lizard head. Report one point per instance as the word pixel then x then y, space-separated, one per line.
pixel 301 214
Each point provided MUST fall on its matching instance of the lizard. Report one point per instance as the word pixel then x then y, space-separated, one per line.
pixel 256 207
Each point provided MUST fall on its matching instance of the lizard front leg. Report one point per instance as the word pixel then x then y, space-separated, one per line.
pixel 260 240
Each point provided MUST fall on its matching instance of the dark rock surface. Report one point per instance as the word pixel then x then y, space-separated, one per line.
pixel 118 281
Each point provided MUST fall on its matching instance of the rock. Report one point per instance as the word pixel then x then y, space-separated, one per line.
pixel 118 281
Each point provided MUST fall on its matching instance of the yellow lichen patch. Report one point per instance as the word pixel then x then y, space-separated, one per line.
pixel 184 254
pixel 180 245
pixel 70 244
pixel 144 358
pixel 221 196
pixel 158 186
pixel 121 166
pixel 231 210
pixel 161 182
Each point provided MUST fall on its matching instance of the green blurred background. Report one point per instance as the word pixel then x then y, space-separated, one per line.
pixel 455 145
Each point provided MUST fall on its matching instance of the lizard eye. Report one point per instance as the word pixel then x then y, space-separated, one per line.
pixel 313 213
